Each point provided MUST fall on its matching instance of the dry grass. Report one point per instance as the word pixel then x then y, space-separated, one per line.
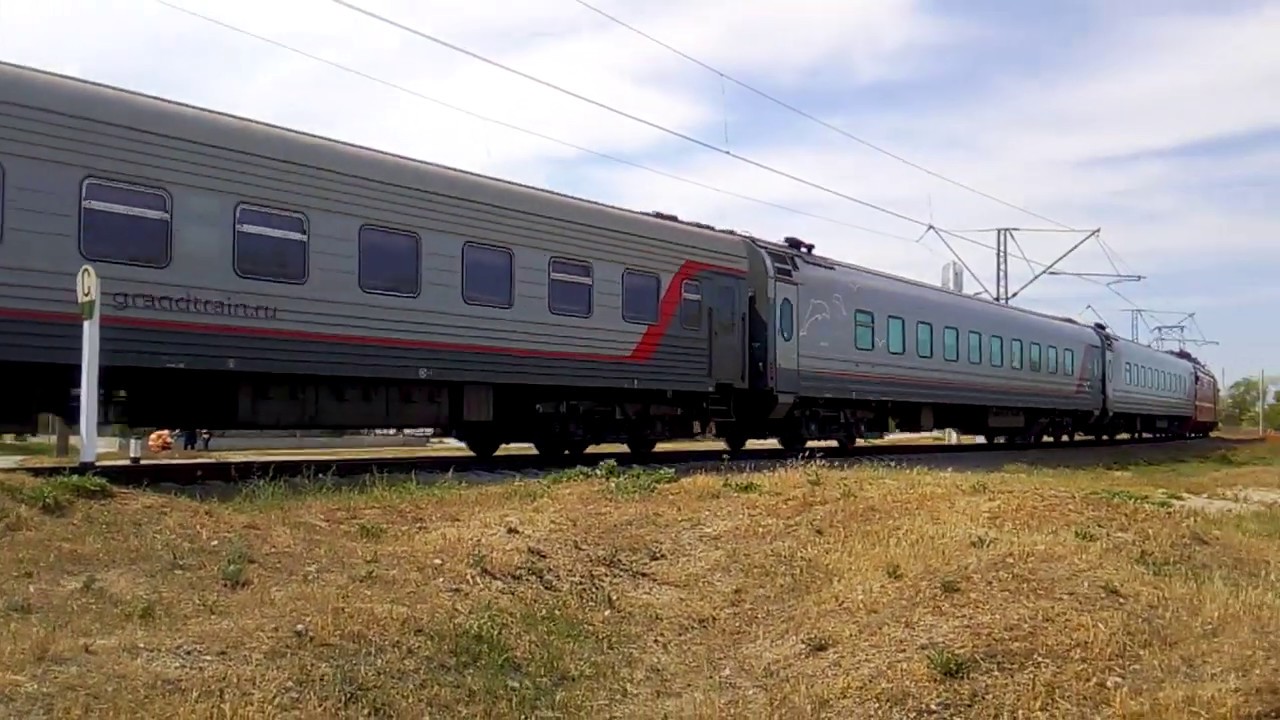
pixel 810 592
pixel 35 454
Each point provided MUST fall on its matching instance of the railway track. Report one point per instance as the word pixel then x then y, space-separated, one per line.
pixel 187 473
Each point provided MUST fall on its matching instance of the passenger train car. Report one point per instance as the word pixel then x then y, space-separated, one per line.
pixel 854 347
pixel 257 277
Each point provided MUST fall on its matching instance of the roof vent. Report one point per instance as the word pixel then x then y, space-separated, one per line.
pixel 798 245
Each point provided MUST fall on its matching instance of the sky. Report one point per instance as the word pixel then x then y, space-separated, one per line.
pixel 1155 121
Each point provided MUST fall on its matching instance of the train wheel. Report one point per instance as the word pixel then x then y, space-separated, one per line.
pixel 793 443
pixel 735 442
pixel 550 447
pixel 576 448
pixel 641 446
pixel 483 447
pixel 846 444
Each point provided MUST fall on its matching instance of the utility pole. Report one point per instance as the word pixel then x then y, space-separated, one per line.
pixel 1002 264
pixel 1005 236
pixel 1262 399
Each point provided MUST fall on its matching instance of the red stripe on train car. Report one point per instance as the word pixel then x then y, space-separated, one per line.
pixel 642 351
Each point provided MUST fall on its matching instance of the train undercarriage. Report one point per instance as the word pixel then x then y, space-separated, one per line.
pixel 556 420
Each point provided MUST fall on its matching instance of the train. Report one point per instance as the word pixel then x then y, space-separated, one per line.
pixel 255 276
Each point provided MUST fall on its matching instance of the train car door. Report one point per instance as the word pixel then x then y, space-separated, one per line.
pixel 728 346
pixel 786 300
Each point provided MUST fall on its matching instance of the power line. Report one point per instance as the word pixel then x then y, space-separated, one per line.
pixel 782 103
pixel 648 123
pixel 928 226
pixel 533 133
pixel 1111 256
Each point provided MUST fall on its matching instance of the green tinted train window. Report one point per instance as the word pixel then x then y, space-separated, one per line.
pixel 864 330
pixel 1015 354
pixel 997 351
pixel 896 335
pixel 1053 359
pixel 1033 362
pixel 951 344
pixel 975 347
pixel 1069 362
pixel 924 339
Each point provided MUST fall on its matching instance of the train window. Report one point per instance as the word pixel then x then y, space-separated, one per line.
pixel 1146 377
pixel 1069 361
pixel 975 347
pixel 1015 354
pixel 569 287
pixel 864 330
pixel 1 202
pixel 270 244
pixel 1052 365
pixel 487 276
pixel 390 261
pixel 786 319
pixel 924 339
pixel 640 291
pixel 1128 373
pixel 691 304
pixel 951 344
pixel 125 224
pixel 1033 362
pixel 897 335
pixel 997 351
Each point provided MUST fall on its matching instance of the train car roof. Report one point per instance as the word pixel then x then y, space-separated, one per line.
pixel 804 251
pixel 1182 355
pixel 358 152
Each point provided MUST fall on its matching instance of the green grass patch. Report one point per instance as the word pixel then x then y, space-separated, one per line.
pixel 1161 499
pixel 624 482
pixel 27 448
pixel 56 495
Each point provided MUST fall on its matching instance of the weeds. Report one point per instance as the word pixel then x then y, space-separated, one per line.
pixel 234 569
pixel 948 663
pixel 622 482
pixel 56 495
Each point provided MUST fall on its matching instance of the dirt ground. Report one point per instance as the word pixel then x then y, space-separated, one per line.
pixel 1139 589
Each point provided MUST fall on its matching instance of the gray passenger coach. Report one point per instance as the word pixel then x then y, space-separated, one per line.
pixel 312 283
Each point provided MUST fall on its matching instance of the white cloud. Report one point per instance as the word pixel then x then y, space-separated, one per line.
pixel 1130 87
